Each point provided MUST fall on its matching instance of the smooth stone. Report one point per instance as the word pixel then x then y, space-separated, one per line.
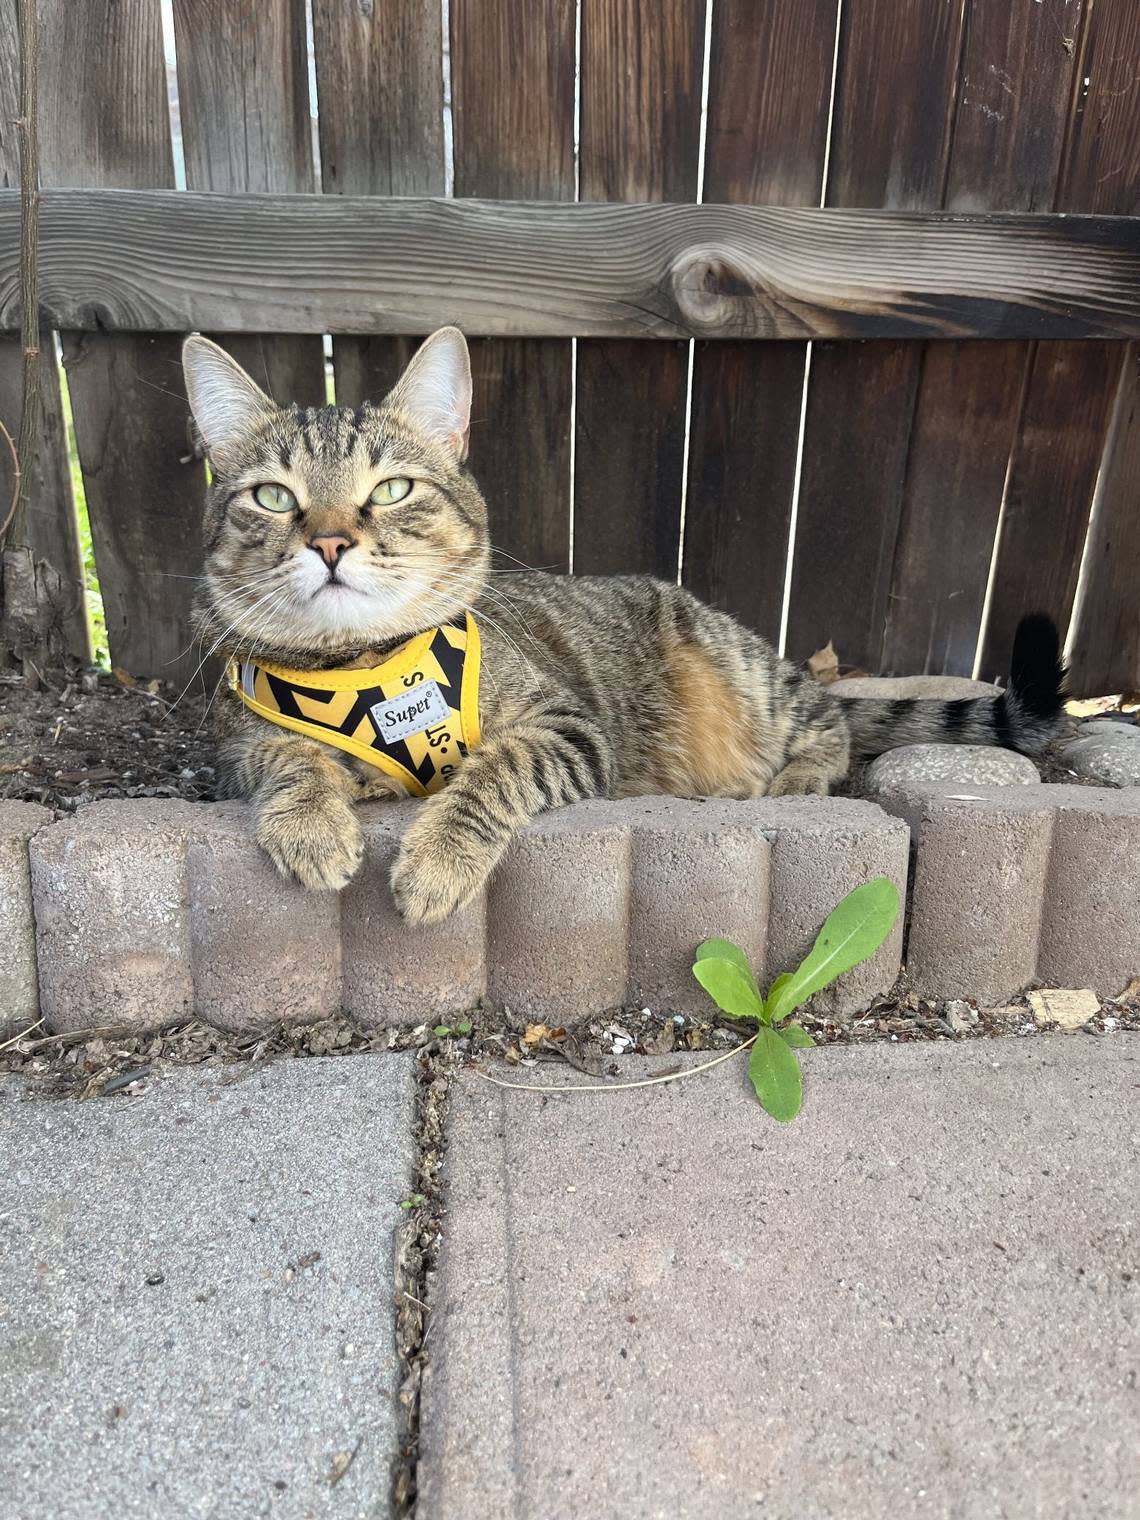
pixel 1101 758
pixel 892 688
pixel 1120 730
pixel 969 764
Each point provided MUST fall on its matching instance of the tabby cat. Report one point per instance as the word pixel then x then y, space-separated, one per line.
pixel 335 534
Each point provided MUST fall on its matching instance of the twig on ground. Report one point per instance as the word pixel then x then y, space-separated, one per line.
pixel 16 1038
pixel 670 1076
pixel 343 1462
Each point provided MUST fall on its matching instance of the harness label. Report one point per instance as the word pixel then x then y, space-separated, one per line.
pixel 411 712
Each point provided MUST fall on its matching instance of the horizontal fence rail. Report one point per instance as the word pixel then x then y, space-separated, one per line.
pixel 161 261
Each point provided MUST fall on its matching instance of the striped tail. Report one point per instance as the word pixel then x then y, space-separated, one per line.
pixel 1025 717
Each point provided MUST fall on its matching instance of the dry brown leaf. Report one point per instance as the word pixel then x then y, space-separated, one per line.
pixel 824 664
pixel 124 677
pixel 536 1033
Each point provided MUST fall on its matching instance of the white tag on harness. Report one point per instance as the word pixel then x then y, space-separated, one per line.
pixel 411 712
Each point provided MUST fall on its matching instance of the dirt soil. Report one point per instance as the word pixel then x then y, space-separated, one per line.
pixel 91 736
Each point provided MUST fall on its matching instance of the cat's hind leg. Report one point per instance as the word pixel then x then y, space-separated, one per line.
pixel 817 758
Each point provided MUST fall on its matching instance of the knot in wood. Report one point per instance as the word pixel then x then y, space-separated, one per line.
pixel 717 293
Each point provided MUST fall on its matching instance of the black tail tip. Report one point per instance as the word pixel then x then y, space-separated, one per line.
pixel 1037 672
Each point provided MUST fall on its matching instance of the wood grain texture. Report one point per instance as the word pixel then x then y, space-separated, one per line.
pixel 1104 172
pixel 512 77
pixel 769 92
pixel 49 519
pixel 1106 645
pixel 640 138
pixel 244 102
pixel 894 99
pixel 1012 105
pixel 156 261
pixel 1067 406
pixel 1072 387
pixel 104 123
pixel 380 88
pixel 145 496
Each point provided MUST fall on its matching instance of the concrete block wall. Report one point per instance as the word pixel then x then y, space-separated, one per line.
pixel 150 910
pixel 1022 884
pixel 155 909
pixel 19 995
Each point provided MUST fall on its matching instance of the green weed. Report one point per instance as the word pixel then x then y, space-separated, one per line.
pixel 853 932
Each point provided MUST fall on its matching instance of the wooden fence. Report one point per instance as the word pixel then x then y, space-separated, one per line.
pixel 877 386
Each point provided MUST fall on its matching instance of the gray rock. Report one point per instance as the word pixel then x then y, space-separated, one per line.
pixel 891 688
pixel 969 764
pixel 196 1307
pixel 1123 726
pixel 1104 758
pixel 960 1016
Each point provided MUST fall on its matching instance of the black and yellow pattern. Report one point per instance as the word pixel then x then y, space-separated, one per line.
pixel 335 706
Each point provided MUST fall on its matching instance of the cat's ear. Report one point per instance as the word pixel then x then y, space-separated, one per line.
pixel 226 403
pixel 435 389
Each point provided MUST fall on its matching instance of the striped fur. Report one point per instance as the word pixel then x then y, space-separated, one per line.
pixel 615 686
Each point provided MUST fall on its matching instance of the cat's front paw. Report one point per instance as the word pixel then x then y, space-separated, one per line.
pixel 319 844
pixel 440 867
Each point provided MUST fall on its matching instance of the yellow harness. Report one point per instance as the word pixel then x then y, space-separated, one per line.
pixel 415 717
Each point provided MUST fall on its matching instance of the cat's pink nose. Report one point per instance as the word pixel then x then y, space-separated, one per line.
pixel 331 546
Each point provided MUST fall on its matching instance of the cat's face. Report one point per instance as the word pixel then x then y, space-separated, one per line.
pixel 331 528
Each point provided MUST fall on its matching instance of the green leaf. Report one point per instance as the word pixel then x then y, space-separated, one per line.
pixel 464 1028
pixel 731 990
pixel 775 1075
pixel 441 1031
pixel 770 1001
pixel 853 932
pixel 795 1036
pixel 725 950
pixel 414 1201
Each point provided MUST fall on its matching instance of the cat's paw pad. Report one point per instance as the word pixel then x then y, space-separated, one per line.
pixel 320 847
pixel 439 869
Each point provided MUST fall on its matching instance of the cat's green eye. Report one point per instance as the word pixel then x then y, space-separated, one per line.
pixel 390 491
pixel 275 498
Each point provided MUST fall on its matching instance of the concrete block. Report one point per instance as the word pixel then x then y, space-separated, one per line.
pixel 697 869
pixel 19 997
pixel 1090 931
pixel 557 915
pixel 262 949
pixel 980 880
pixel 661 1303
pixel 822 847
pixel 392 973
pixel 112 917
pixel 1020 884
pixel 196 1309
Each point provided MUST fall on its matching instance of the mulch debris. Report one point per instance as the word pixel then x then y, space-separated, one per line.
pixel 84 737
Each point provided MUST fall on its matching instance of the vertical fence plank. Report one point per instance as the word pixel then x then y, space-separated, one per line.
pixel 769 94
pixel 243 96
pixel 898 66
pixel 512 73
pixel 1071 386
pixel 1106 647
pixel 51 528
pixel 1009 128
pixel 104 124
pixel 380 95
pixel 640 136
pixel 1104 156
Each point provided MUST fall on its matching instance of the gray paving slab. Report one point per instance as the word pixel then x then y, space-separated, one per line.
pixel 920 1299
pixel 196 1293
